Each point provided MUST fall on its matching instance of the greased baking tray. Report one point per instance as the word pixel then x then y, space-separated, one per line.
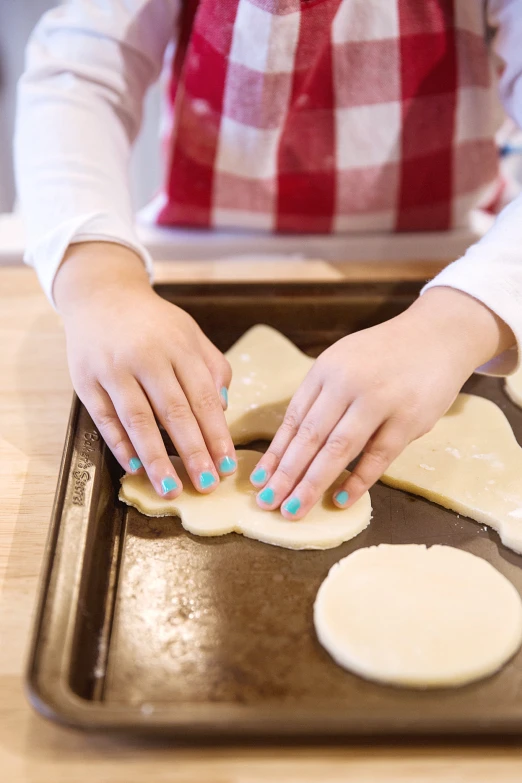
pixel 142 627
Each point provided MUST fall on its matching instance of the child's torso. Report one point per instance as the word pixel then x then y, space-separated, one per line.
pixel 331 115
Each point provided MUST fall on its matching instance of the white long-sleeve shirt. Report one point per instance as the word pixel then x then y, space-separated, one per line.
pixel 89 64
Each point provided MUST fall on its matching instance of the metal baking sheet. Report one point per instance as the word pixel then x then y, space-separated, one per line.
pixel 142 627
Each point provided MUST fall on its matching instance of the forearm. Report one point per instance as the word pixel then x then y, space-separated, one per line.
pixel 491 270
pixel 469 328
pixel 93 269
pixel 79 109
pixel 71 190
pixel 491 273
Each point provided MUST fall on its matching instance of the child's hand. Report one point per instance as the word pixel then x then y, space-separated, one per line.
pixel 135 358
pixel 374 392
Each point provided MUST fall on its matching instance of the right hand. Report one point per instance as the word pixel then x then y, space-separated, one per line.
pixel 134 358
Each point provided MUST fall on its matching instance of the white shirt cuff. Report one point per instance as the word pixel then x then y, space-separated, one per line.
pixel 498 285
pixel 48 253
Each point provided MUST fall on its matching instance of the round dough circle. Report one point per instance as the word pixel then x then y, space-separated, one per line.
pixel 419 617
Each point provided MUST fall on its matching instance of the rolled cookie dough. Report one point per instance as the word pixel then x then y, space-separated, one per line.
pixel 232 508
pixel 469 462
pixel 424 618
pixel 266 371
pixel 514 387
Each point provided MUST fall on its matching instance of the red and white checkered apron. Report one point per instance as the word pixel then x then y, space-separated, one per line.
pixel 331 115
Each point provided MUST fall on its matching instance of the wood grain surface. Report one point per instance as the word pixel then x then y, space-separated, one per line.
pixel 35 394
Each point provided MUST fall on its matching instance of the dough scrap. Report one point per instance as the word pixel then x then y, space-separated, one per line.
pixel 417 617
pixel 267 370
pixel 232 508
pixel 471 463
pixel 513 387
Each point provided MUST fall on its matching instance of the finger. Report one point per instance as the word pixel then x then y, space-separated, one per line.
pixel 173 410
pixel 220 370
pixel 106 419
pixel 346 440
pixel 135 414
pixel 299 406
pixel 223 395
pixel 199 388
pixel 308 440
pixel 384 448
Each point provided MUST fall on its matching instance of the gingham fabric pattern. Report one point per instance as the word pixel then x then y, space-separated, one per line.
pixel 331 115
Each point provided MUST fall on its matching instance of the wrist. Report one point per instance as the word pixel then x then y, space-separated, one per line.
pixel 466 326
pixel 91 270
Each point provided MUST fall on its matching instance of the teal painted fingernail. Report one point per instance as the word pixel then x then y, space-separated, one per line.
pixel 267 496
pixel 258 476
pixel 168 484
pixel 227 465
pixel 292 506
pixel 342 497
pixel 206 479
pixel 135 464
pixel 224 395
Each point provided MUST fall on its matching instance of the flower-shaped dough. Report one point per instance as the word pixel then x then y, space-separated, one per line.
pixel 232 508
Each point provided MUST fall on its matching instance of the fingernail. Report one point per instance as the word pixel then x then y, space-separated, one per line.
pixel 227 465
pixel 168 484
pixel 135 464
pixel 342 497
pixel 267 496
pixel 206 479
pixel 224 395
pixel 258 476
pixel 292 506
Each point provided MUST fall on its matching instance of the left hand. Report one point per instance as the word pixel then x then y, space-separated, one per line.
pixel 372 393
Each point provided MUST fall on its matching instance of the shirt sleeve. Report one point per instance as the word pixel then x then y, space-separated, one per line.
pixel 88 67
pixel 491 269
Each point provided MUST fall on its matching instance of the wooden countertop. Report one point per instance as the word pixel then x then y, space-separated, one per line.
pixel 35 394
